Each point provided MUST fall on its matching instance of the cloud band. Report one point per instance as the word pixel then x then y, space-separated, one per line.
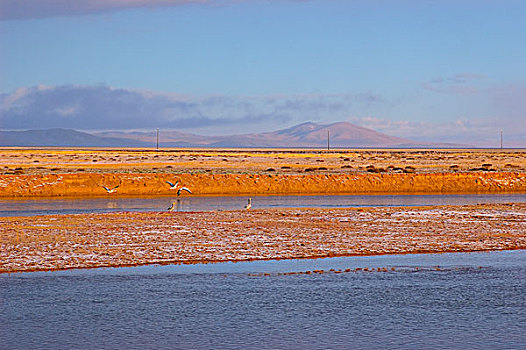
pixel 28 9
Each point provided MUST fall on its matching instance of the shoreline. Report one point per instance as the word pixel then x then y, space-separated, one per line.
pixel 125 239
pixel 206 262
pixel 58 242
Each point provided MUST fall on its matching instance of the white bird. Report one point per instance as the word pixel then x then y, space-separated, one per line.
pixel 249 204
pixel 183 189
pixel 110 190
pixel 173 186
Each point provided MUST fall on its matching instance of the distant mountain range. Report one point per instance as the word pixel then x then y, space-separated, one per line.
pixel 308 135
pixel 62 138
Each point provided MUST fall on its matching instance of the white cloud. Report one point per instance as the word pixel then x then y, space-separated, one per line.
pixel 481 132
pixel 462 83
pixel 67 111
pixel 26 9
pixel 31 9
pixel 104 107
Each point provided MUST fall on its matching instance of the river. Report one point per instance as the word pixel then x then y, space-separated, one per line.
pixel 423 301
pixel 39 206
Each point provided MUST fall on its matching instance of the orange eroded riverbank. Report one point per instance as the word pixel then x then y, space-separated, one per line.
pixel 90 184
pixel 126 239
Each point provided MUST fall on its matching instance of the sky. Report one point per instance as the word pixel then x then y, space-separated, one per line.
pixel 441 71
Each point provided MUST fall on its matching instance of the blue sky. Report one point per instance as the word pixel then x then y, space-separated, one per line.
pixel 449 71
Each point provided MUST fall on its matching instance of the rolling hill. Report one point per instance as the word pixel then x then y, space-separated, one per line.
pixel 308 135
pixel 62 138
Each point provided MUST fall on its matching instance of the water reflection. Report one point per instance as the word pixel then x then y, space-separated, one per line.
pixel 177 205
pixel 112 205
pixel 206 203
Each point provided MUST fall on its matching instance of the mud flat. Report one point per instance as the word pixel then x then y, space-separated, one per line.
pixel 129 239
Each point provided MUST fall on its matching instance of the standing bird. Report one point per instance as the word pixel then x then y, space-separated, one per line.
pixel 171 208
pixel 110 190
pixel 249 204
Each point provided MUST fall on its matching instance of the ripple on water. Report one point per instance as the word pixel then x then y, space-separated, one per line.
pixel 458 305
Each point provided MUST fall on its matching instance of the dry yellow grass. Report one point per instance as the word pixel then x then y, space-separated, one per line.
pixel 47 161
pixel 90 184
pixel 81 172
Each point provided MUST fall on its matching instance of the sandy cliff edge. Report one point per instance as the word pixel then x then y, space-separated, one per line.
pixel 90 184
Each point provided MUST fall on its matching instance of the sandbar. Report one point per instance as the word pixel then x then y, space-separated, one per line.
pixel 58 242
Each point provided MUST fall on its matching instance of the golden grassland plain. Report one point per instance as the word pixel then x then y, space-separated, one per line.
pixel 126 239
pixel 253 161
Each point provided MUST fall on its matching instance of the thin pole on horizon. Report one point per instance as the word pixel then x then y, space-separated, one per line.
pixel 328 140
pixel 157 138
pixel 501 131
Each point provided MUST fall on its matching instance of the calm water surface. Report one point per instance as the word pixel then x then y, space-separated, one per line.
pixel 194 203
pixel 473 301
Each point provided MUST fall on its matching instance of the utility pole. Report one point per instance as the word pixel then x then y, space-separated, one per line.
pixel 157 138
pixel 328 141
pixel 501 138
